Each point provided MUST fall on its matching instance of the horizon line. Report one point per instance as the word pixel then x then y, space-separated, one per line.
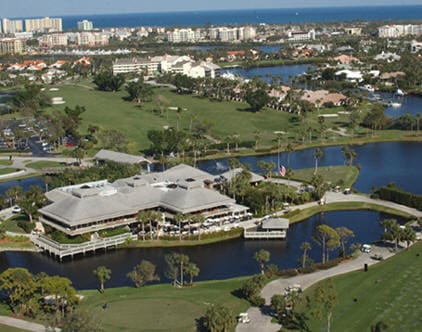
pixel 210 10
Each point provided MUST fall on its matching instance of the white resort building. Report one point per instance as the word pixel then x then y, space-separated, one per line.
pixel 99 205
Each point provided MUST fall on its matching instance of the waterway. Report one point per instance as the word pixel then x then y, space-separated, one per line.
pixel 267 73
pixel 380 163
pixel 216 261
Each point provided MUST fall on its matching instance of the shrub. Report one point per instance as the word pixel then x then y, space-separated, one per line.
pixel 288 273
pixel 257 301
pixel 27 226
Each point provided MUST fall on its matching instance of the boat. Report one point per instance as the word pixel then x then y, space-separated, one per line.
pixel 394 104
pixel 399 92
pixel 367 87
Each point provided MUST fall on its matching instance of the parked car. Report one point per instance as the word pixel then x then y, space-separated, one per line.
pixel 365 248
pixel 16 209
pixel 377 257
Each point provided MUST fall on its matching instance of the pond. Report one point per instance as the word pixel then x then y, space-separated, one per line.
pixel 216 261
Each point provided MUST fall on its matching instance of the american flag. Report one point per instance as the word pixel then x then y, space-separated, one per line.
pixel 282 171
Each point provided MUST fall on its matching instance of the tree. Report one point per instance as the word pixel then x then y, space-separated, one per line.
pixel 278 305
pixel 219 318
pixel 61 290
pixel 13 194
pixel 103 274
pixel 31 201
pixel 344 234
pixel 323 301
pixel 305 247
pixel 257 99
pixel 192 270
pixel 172 271
pixel 267 167
pixel 179 218
pixel 355 120
pixel 143 273
pixel 113 139
pixel 375 118
pixel 139 91
pixel 143 218
pixel 81 321
pixel 106 81
pixel 262 257
pixel 392 231
pixel 319 153
pixel 19 286
pixel 408 235
pixel 327 238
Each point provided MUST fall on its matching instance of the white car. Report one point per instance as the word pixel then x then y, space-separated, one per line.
pixel 16 209
pixel 365 248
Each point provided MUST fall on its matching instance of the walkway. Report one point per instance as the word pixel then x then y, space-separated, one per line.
pixel 24 325
pixel 261 320
pixel 332 197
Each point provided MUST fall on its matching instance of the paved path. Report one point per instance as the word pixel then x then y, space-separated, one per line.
pixel 286 182
pixel 261 320
pixel 24 325
pixel 332 197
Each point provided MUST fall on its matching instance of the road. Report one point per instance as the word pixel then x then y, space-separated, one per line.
pixel 261 319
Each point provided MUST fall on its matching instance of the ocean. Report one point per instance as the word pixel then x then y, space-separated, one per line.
pixel 240 17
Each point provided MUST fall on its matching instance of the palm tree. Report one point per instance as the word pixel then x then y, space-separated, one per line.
pixel 289 149
pixel 257 136
pixel 103 274
pixel 305 247
pixel 319 153
pixel 192 270
pixel 179 218
pixel 199 219
pixel 418 121
pixel 262 256
pixel 143 218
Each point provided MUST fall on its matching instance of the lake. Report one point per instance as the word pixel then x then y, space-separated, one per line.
pixel 216 261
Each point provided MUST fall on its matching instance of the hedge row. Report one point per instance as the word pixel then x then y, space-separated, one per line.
pixel 393 194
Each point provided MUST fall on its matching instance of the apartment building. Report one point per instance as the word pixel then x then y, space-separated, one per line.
pixel 85 25
pixel 136 65
pixel 227 34
pixel 12 46
pixel 43 24
pixel 397 30
pixel 11 26
pixel 184 36
pixel 53 40
pixel 297 36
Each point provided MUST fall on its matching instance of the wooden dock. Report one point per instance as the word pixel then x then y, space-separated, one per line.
pixel 60 250
pixel 264 235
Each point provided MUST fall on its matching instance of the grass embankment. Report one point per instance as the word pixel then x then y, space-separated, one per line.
pixel 334 174
pixel 304 214
pixel 175 242
pixel 8 170
pixel 161 307
pixel 5 162
pixel 390 292
pixel 43 164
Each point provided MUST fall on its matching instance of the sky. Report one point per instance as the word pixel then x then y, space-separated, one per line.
pixel 34 8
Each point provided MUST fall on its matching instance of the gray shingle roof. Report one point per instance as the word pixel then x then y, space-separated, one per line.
pixel 179 189
pixel 275 223
pixel 229 175
pixel 120 157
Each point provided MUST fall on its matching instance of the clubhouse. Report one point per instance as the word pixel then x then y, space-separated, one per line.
pixel 99 205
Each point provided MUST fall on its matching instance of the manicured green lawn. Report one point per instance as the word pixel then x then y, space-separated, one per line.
pixel 11 225
pixel 43 164
pixel 390 292
pixel 333 174
pixel 161 307
pixel 8 170
pixel 5 162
